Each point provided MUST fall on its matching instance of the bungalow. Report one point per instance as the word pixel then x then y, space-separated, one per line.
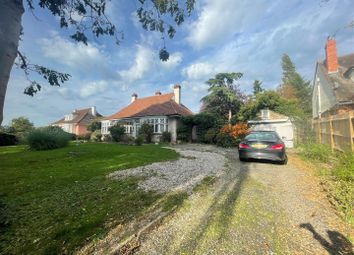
pixel 162 111
pixel 77 121
pixel 333 85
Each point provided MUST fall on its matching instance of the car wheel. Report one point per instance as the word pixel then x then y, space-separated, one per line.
pixel 285 161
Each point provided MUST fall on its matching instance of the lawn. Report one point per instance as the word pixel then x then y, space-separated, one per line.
pixel 55 201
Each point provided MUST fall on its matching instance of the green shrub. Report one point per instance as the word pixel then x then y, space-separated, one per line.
pixel 48 138
pixel 139 140
pixel 204 122
pixel 210 136
pixel 128 139
pixel 117 132
pixel 338 175
pixel 7 139
pixel 316 151
pixel 95 125
pixel 166 137
pixel 146 131
pixel 225 140
pixel 184 134
pixel 344 169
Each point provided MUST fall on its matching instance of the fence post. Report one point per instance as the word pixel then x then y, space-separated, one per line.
pixel 331 132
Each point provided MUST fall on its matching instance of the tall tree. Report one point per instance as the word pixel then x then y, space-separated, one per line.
pixel 225 96
pixel 257 87
pixel 294 84
pixel 160 16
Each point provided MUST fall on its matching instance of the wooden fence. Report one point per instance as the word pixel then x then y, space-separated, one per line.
pixel 336 131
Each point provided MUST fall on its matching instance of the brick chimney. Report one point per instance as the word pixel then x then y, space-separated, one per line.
pixel 134 97
pixel 158 93
pixel 177 92
pixel 331 56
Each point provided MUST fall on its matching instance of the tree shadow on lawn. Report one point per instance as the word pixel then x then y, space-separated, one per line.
pixel 338 244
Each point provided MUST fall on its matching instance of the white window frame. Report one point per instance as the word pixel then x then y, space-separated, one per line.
pixel 159 123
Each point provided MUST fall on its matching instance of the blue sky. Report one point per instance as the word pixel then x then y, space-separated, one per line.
pixel 221 36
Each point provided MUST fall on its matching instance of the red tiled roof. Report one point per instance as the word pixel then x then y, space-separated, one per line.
pixel 79 115
pixel 162 105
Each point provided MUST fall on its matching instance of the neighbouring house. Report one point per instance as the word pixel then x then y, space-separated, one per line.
pixel 162 111
pixel 77 121
pixel 333 85
pixel 272 121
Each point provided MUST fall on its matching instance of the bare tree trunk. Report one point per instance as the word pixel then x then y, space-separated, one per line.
pixel 10 28
pixel 230 116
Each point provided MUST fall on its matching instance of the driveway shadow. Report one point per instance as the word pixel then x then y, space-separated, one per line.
pixel 220 211
pixel 265 161
pixel 338 245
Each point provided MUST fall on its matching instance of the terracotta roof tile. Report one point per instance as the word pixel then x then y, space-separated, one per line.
pixel 163 105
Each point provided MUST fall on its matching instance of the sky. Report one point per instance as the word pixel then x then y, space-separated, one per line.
pixel 221 36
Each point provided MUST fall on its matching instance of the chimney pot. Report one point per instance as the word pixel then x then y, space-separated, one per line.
pixel 93 110
pixel 134 97
pixel 177 92
pixel 331 56
pixel 158 93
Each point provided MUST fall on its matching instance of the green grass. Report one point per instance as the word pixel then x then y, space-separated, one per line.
pixel 55 201
pixel 174 200
pixel 337 170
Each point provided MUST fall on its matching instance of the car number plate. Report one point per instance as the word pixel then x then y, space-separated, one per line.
pixel 259 146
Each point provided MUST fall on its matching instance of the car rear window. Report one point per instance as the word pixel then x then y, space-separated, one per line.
pixel 262 136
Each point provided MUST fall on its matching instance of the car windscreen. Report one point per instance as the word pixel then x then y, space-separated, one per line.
pixel 262 136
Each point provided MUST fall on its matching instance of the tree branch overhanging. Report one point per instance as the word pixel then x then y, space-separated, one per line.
pixel 54 78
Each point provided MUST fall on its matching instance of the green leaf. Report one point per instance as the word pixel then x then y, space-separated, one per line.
pixel 164 55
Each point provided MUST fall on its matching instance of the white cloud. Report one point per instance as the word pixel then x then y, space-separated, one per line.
pixel 222 19
pixel 93 88
pixel 143 62
pixel 77 56
pixel 174 60
pixel 198 71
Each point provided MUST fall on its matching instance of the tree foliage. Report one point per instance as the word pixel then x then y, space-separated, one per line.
pixel 146 131
pixel 268 100
pixel 224 96
pixel 95 125
pixel 117 132
pixel 257 87
pixel 21 126
pixel 88 18
pixel 294 86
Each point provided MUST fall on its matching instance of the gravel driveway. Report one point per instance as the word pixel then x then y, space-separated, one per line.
pixel 253 208
pixel 180 175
